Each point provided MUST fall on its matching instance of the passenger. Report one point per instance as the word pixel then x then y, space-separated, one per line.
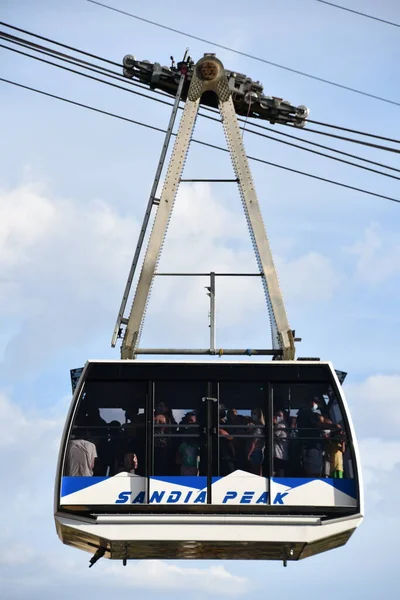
pixel 295 467
pixel 227 452
pixel 326 434
pixel 133 438
pixel 113 446
pixel 188 453
pixel 336 449
pixel 162 447
pixel 231 416
pixel 237 427
pixel 96 428
pixel 126 454
pixel 256 447
pixel 163 409
pixel 310 422
pixel 281 444
pixel 130 463
pixel 189 418
pixel 81 457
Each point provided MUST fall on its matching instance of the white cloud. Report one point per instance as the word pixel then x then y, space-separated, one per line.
pixel 64 273
pixel 17 425
pixel 310 278
pixel 16 553
pixel 380 454
pixel 212 234
pixel 60 245
pixel 380 460
pixel 63 264
pixel 375 406
pixel 166 576
pixel 377 256
pixel 25 218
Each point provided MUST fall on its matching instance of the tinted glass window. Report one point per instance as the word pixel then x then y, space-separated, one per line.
pixel 310 437
pixel 242 432
pixel 179 447
pixel 108 431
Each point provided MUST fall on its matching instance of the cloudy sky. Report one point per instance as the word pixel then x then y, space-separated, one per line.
pixel 73 187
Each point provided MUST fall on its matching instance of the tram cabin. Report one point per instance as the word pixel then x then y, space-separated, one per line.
pixel 208 459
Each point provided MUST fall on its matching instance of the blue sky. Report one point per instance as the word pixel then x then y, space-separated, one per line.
pixel 73 187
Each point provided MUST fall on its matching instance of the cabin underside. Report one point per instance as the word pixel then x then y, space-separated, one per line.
pixel 300 538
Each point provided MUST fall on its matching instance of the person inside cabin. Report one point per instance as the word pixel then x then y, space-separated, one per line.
pixel 132 439
pixel 238 428
pixel 162 408
pixel 90 420
pixel 295 467
pixel 336 447
pixel 162 446
pixel 81 457
pixel 310 423
pixel 231 416
pixel 256 447
pixel 188 454
pixel 130 463
pixel 281 444
pixel 113 447
pixel 226 445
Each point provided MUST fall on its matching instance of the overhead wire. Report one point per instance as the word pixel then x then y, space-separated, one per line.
pixel 357 131
pixel 99 70
pixel 357 12
pixel 330 148
pixel 65 58
pixel 201 142
pixel 159 92
pixel 61 45
pixel 264 135
pixel 43 60
pixel 246 54
pixel 73 59
pixel 345 139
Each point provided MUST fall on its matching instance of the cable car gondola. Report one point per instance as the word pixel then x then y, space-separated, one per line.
pixel 224 483
pixel 216 458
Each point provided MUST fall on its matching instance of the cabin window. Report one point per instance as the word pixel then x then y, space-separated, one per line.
pixel 242 427
pixel 108 434
pixel 179 441
pixel 310 436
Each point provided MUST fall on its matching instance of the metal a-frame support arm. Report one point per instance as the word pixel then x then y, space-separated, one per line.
pixel 209 75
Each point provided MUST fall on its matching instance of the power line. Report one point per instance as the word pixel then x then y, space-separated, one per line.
pixel 80 104
pixel 261 160
pixel 205 116
pixel 41 37
pixel 37 48
pixel 356 12
pixel 247 55
pixel 76 61
pixel 264 135
pixel 346 162
pixel 294 137
pixel 345 139
pixel 372 135
pixel 146 125
pixel 86 65
pixel 48 62
pixel 64 58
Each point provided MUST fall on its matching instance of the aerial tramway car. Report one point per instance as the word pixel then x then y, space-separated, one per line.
pixel 215 458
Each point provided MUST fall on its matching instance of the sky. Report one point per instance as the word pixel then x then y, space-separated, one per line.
pixel 73 188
